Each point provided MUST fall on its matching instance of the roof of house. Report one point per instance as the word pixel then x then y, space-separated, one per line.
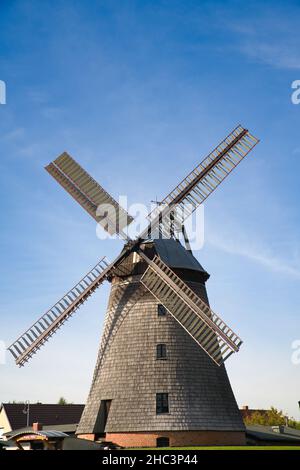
pixel 64 428
pixel 248 412
pixel 46 414
pixel 46 434
pixel 267 433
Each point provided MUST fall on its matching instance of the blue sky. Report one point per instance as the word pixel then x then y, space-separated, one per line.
pixel 139 92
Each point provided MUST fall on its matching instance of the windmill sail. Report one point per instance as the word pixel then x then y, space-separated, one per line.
pixel 30 341
pixel 202 181
pixel 193 314
pixel 89 194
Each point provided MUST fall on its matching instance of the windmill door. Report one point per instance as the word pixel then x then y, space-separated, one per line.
pixel 103 415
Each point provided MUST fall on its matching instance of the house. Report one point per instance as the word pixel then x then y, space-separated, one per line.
pixel 16 416
pixel 68 429
pixel 272 435
pixel 247 412
pixel 36 438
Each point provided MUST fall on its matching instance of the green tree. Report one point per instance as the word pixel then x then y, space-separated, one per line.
pixel 62 401
pixel 272 417
pixel 294 424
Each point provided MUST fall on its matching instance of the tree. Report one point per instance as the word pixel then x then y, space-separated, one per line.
pixel 294 424
pixel 62 401
pixel 272 417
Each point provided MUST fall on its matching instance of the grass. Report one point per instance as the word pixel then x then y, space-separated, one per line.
pixel 220 448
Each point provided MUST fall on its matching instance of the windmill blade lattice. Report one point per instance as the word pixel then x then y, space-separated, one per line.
pixel 201 182
pixel 30 341
pixel 89 194
pixel 194 315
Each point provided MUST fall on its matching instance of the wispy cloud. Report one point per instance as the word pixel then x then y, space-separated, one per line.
pixel 38 96
pixel 13 135
pixel 274 54
pixel 52 112
pixel 257 254
pixel 30 150
pixel 272 39
pixel 296 151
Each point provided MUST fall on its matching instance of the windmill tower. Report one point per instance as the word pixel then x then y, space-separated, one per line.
pixel 160 377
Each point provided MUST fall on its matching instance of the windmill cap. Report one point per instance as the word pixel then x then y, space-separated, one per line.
pixel 174 255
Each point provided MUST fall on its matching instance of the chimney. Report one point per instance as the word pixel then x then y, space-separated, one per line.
pixel 37 427
pixel 245 407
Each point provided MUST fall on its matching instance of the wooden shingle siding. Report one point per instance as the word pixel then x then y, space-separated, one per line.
pixel 127 372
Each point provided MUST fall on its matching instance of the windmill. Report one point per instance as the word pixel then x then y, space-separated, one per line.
pixel 158 302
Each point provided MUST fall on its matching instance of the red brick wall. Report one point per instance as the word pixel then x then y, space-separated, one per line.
pixel 178 438
pixel 89 437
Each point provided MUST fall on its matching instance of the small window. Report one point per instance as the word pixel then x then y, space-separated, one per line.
pixel 161 351
pixel 161 311
pixel 162 403
pixel 162 442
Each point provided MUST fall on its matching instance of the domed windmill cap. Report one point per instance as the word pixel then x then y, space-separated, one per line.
pixel 174 255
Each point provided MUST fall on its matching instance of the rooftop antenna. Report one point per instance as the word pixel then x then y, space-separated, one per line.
pixel 26 412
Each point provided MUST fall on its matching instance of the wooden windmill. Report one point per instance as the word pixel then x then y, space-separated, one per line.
pixel 160 376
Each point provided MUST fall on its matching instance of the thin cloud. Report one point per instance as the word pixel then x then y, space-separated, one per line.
pixel 270 39
pixel 296 151
pixel 38 96
pixel 52 112
pixel 276 55
pixel 257 255
pixel 14 135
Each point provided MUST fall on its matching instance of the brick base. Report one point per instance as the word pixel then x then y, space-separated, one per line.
pixel 89 437
pixel 176 438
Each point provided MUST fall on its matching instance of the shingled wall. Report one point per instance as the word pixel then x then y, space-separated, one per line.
pixel 128 373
